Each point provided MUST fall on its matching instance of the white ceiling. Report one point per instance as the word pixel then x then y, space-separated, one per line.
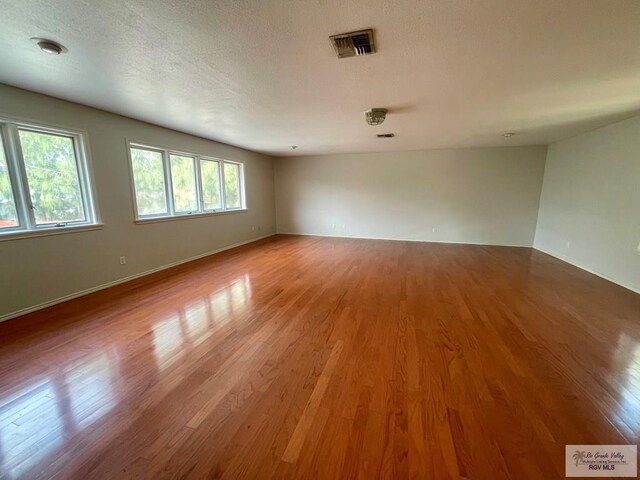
pixel 262 74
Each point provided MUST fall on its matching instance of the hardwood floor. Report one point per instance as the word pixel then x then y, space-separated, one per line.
pixel 306 357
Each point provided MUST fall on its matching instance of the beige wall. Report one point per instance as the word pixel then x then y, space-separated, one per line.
pixel 37 270
pixel 484 195
pixel 590 204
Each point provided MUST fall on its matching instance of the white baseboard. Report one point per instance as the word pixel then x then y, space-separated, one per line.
pixel 581 267
pixel 403 239
pixel 81 293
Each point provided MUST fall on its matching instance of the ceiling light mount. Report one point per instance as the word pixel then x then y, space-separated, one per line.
pixel 508 134
pixel 375 116
pixel 50 46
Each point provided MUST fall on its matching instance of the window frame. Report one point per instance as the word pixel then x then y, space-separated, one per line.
pixel 10 128
pixel 220 164
pixel 240 186
pixel 168 190
pixel 197 183
pixel 168 181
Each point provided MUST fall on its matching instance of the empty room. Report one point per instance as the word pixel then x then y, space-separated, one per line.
pixel 319 239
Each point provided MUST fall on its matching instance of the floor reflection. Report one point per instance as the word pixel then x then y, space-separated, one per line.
pixel 239 294
pixel 167 341
pixel 220 305
pixel 199 319
pixel 90 388
pixel 66 400
pixel 30 427
pixel 626 360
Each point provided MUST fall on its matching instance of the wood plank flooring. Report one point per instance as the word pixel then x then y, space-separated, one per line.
pixel 306 357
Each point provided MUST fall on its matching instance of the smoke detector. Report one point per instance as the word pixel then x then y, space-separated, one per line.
pixel 375 116
pixel 49 46
pixel 353 44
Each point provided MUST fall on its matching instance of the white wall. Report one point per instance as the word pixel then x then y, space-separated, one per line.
pixel 591 199
pixel 484 195
pixel 37 270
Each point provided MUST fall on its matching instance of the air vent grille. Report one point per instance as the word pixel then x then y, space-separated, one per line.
pixel 386 135
pixel 354 43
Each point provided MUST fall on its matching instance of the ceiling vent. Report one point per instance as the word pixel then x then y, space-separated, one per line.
pixel 375 116
pixel 386 135
pixel 354 43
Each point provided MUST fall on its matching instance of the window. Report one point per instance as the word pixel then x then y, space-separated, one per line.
pixel 52 174
pixel 174 184
pixel 44 181
pixel 148 175
pixel 231 185
pixel 210 174
pixel 183 178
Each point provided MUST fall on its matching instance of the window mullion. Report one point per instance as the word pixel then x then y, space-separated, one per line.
pixel 24 206
pixel 198 174
pixel 223 198
pixel 168 182
pixel 241 185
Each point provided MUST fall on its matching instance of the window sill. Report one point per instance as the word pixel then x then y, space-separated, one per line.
pixel 143 220
pixel 15 235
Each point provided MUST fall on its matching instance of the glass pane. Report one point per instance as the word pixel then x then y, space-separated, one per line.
pixel 183 176
pixel 52 174
pixel 232 185
pixel 8 215
pixel 210 185
pixel 148 176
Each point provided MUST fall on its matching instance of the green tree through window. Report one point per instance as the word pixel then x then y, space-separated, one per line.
pixel 183 177
pixel 148 175
pixel 52 175
pixel 210 173
pixel 231 185
pixel 193 184
pixel 44 180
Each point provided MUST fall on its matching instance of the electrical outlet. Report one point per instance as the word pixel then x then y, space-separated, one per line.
pixel 123 260
pixel 333 225
pixel 434 229
pixel 253 229
pixel 568 244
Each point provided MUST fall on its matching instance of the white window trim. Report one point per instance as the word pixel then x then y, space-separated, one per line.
pixel 19 234
pixel 166 164
pixel 9 129
pixel 157 219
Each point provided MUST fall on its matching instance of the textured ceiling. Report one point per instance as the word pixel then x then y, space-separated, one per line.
pixel 262 74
